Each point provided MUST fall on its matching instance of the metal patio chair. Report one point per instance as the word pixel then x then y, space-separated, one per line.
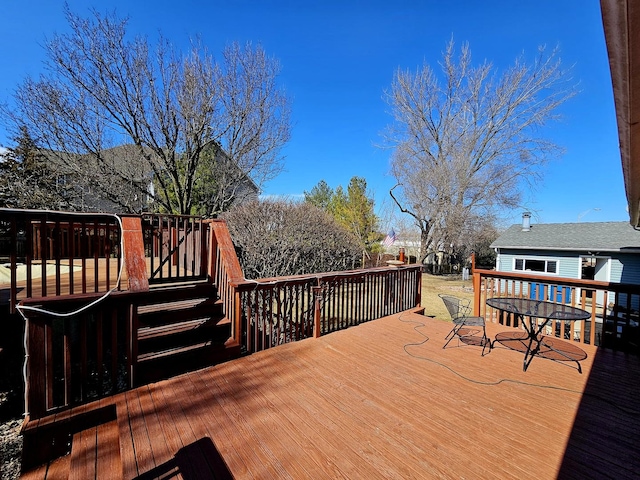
pixel 459 309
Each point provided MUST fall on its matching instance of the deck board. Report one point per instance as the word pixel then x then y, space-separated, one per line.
pixel 385 400
pixel 127 452
pixel 139 433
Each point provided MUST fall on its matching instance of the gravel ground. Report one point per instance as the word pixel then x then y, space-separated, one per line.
pixel 11 394
pixel 10 449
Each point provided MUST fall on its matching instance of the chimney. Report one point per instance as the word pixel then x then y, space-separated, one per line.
pixel 526 221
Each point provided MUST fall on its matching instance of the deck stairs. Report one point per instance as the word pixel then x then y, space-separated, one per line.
pixel 183 329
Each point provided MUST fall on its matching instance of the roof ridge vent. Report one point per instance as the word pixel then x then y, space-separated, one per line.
pixel 526 221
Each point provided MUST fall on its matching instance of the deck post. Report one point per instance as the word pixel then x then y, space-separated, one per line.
pixel 317 297
pixel 134 257
pixel 476 293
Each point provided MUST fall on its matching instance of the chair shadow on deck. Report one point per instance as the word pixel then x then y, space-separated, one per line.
pixel 199 459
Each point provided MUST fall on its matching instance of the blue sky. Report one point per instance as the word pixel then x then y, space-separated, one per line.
pixel 338 57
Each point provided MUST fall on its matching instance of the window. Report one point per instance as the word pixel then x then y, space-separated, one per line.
pixel 535 265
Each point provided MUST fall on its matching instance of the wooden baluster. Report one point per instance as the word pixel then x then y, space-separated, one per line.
pixel 84 248
pixel 43 257
pixel 250 342
pixel 38 377
pixel 30 245
pixel 107 253
pixel 114 350
pixel 317 313
pixel 96 256
pixel 57 252
pixel 99 351
pixel 84 372
pixel 13 262
pixel 71 242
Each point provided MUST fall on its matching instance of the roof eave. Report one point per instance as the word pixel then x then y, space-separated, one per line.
pixel 620 20
pixel 568 249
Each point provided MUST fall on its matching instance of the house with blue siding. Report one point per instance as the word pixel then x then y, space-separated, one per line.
pixel 604 251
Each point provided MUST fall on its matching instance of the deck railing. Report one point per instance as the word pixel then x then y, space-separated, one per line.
pixel 82 347
pixel 614 307
pixel 285 309
pixel 175 247
pixel 81 336
pixel 226 274
pixel 73 359
pixel 49 254
pixel 272 311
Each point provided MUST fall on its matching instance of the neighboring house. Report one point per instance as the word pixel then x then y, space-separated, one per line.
pixel 136 192
pixel 81 174
pixel 605 251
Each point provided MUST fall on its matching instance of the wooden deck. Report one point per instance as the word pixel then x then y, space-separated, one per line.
pixel 381 400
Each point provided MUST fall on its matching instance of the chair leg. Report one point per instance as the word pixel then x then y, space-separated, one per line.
pixel 485 341
pixel 451 334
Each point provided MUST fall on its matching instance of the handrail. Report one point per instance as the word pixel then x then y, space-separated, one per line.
pixel 614 307
pixel 226 273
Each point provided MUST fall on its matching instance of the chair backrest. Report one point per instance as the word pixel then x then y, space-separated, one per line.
pixel 457 307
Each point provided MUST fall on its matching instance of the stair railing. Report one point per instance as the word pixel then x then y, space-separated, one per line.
pixel 226 273
pixel 175 247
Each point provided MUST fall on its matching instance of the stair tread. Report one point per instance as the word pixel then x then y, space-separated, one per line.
pixel 175 305
pixel 147 333
pixel 224 321
pixel 145 357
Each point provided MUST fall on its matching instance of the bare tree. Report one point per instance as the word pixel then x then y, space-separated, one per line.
pixel 466 143
pixel 103 90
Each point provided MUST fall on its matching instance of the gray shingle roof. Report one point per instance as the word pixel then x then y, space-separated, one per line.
pixel 593 237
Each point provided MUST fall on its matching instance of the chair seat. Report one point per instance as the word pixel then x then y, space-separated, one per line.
pixel 470 321
pixel 458 310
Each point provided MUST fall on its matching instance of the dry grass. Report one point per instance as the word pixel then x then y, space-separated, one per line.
pixel 432 285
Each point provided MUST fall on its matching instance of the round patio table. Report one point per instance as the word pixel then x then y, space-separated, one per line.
pixel 539 313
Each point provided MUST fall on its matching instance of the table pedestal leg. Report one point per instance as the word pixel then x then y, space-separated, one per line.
pixel 534 336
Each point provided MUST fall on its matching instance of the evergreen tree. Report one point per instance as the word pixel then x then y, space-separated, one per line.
pixel 353 209
pixel 26 181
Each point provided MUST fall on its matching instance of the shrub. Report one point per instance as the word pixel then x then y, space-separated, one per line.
pixel 281 238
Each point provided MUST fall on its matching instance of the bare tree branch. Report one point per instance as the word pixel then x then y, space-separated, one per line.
pixel 104 90
pixel 465 143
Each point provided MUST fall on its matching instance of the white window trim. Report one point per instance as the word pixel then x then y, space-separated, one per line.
pixel 542 259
